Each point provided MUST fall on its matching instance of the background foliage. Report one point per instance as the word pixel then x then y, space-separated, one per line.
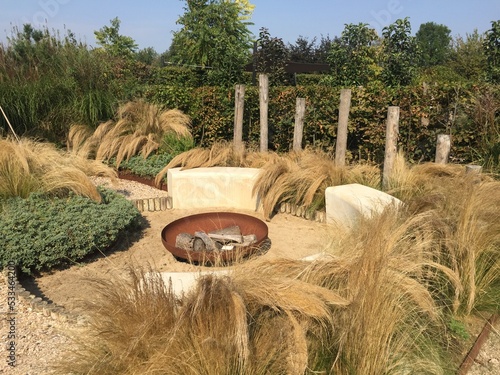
pixel 466 112
pixel 49 82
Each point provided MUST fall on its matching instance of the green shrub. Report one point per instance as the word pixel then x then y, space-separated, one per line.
pixel 174 144
pixel 38 233
pixel 146 167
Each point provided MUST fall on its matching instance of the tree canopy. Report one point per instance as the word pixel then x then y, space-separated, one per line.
pixel 213 35
pixel 352 57
pixel 434 43
pixel 400 53
pixel 109 38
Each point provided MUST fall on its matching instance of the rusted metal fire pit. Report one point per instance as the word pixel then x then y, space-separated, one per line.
pixel 215 221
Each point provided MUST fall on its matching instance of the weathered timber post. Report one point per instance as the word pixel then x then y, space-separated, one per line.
pixel 443 147
pixel 300 110
pixel 239 105
pixel 473 169
pixel 264 104
pixel 341 145
pixel 391 143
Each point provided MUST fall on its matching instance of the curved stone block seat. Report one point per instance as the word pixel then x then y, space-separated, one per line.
pixel 224 187
pixel 345 204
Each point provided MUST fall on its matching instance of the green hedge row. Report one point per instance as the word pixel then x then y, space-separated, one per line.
pixel 39 233
pixel 468 113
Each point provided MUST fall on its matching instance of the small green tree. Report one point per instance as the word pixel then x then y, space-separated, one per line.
pixel 492 52
pixel 467 58
pixel 434 43
pixel 353 57
pixel 271 57
pixel 303 50
pixel 109 38
pixel 147 56
pixel 400 54
pixel 213 36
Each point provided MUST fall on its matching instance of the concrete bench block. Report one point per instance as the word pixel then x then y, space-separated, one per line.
pixel 183 282
pixel 345 204
pixel 229 187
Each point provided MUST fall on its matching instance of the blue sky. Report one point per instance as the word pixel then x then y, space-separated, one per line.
pixel 151 22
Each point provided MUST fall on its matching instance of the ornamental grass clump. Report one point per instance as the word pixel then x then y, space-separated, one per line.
pixel 139 129
pixel 299 178
pixel 390 272
pixel 28 166
pixel 466 212
pixel 242 324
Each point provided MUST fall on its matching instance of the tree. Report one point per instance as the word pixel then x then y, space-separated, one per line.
pixel 246 9
pixel 467 58
pixel 492 51
pixel 303 50
pixel 400 54
pixel 109 38
pixel 213 36
pixel 271 57
pixel 323 49
pixel 147 56
pixel 434 43
pixel 353 57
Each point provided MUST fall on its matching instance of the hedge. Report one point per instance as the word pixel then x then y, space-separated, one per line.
pixel 469 113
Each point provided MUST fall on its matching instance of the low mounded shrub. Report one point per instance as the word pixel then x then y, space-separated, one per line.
pixel 39 233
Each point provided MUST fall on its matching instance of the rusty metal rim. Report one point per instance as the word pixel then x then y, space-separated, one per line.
pixel 478 344
pixel 209 221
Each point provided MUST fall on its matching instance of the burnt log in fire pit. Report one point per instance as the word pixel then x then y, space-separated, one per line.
pixel 213 223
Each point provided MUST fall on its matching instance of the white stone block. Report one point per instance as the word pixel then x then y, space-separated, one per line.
pixel 345 204
pixel 229 187
pixel 184 282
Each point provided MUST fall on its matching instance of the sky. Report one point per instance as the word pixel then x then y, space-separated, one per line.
pixel 151 22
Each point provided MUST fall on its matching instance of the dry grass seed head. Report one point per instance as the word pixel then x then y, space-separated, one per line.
pixel 129 319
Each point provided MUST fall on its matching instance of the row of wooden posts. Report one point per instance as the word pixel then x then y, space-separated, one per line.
pixel 443 145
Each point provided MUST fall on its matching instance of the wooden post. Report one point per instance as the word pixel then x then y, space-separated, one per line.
pixel 391 143
pixel 341 145
pixel 239 105
pixel 443 147
pixel 300 110
pixel 473 169
pixel 264 104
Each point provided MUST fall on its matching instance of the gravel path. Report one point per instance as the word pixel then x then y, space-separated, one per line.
pixel 35 341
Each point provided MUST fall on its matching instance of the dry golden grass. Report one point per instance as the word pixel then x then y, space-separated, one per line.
pixel 28 166
pixel 302 177
pixel 388 266
pixel 226 325
pixel 466 211
pixel 378 304
pixel 297 177
pixel 138 129
pixel 220 154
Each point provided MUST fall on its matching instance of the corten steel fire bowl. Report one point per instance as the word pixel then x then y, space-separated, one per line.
pixel 212 221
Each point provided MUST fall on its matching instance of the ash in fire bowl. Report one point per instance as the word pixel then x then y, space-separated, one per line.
pixel 215 237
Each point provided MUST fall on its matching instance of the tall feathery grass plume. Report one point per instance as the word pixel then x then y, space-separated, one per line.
pixel 130 318
pixel 473 241
pixel 225 325
pixel 138 129
pixel 30 166
pixel 464 210
pixel 388 326
pixel 301 178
